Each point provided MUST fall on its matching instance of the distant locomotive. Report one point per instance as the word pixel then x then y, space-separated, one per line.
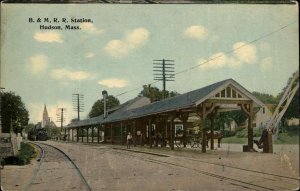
pixel 41 135
pixel 38 134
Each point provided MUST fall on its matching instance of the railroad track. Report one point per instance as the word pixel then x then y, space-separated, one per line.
pixel 52 154
pixel 235 180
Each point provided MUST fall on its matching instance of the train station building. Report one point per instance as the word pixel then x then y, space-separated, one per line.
pixel 171 119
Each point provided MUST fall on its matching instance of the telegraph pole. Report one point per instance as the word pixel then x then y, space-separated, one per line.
pixel 61 118
pixel 78 104
pixel 163 71
pixel 1 113
pixel 1 160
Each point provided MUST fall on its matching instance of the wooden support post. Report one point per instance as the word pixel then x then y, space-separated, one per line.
pixel 155 135
pixel 172 128
pixel 184 123
pixel 203 135
pixel 211 133
pixel 77 133
pixel 69 137
pixel 268 143
pixel 203 128
pixel 98 134
pixel 248 110
pixel 82 133
pixel 72 135
pixel 164 134
pixel 105 135
pixel 92 134
pixel 134 134
pixel 250 127
pixel 122 134
pixel 206 109
pixel 87 134
pixel 111 134
pixel 150 133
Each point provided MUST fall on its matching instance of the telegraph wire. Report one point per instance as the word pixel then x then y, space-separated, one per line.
pixel 214 58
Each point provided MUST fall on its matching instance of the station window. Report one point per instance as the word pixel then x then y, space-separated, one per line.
pixel 228 92
pixel 233 93
pixel 223 93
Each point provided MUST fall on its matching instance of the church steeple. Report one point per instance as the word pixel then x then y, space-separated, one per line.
pixel 46 119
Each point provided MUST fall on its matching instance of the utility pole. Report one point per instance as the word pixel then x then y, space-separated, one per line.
pixel 163 71
pixel 78 104
pixel 1 111
pixel 1 160
pixel 61 118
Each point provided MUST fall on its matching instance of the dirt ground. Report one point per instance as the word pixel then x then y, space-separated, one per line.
pixel 108 167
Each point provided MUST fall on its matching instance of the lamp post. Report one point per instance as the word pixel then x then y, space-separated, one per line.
pixel 104 94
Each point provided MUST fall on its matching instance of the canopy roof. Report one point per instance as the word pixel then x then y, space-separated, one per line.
pixel 221 91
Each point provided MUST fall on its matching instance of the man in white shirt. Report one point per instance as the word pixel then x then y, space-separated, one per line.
pixel 129 139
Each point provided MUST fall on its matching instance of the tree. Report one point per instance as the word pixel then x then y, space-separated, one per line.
pixel 13 113
pixel 266 98
pixel 29 127
pixel 293 109
pixel 98 107
pixel 155 94
pixel 223 118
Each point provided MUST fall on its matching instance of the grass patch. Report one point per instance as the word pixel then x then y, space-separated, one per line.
pixel 237 140
pixel 283 138
pixel 26 153
pixel 287 138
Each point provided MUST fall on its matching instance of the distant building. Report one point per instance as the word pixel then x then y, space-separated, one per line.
pixel 46 121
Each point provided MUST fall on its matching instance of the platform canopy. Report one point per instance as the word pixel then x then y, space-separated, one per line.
pixel 226 92
pixel 222 96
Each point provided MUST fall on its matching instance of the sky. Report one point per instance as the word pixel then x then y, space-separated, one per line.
pixel 256 45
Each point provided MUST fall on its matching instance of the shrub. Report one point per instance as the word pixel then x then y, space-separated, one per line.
pixel 26 153
pixel 244 133
pixel 227 133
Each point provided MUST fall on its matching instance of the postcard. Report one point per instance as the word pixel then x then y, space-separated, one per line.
pixel 150 96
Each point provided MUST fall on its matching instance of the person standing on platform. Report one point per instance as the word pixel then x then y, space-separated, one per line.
pixel 129 139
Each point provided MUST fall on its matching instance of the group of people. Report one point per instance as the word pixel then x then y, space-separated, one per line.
pixel 129 140
pixel 157 142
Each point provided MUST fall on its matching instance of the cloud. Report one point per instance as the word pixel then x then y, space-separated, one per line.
pixel 90 28
pixel 37 64
pixel 113 83
pixel 266 63
pixel 49 37
pixel 234 62
pixel 245 52
pixel 89 55
pixel 242 54
pixel 217 60
pixel 63 74
pixel 131 41
pixel 196 32
pixel 264 46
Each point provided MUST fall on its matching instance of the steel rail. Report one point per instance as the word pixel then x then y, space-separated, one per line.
pixel 212 163
pixel 237 182
pixel 87 186
pixel 227 166
pixel 40 160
